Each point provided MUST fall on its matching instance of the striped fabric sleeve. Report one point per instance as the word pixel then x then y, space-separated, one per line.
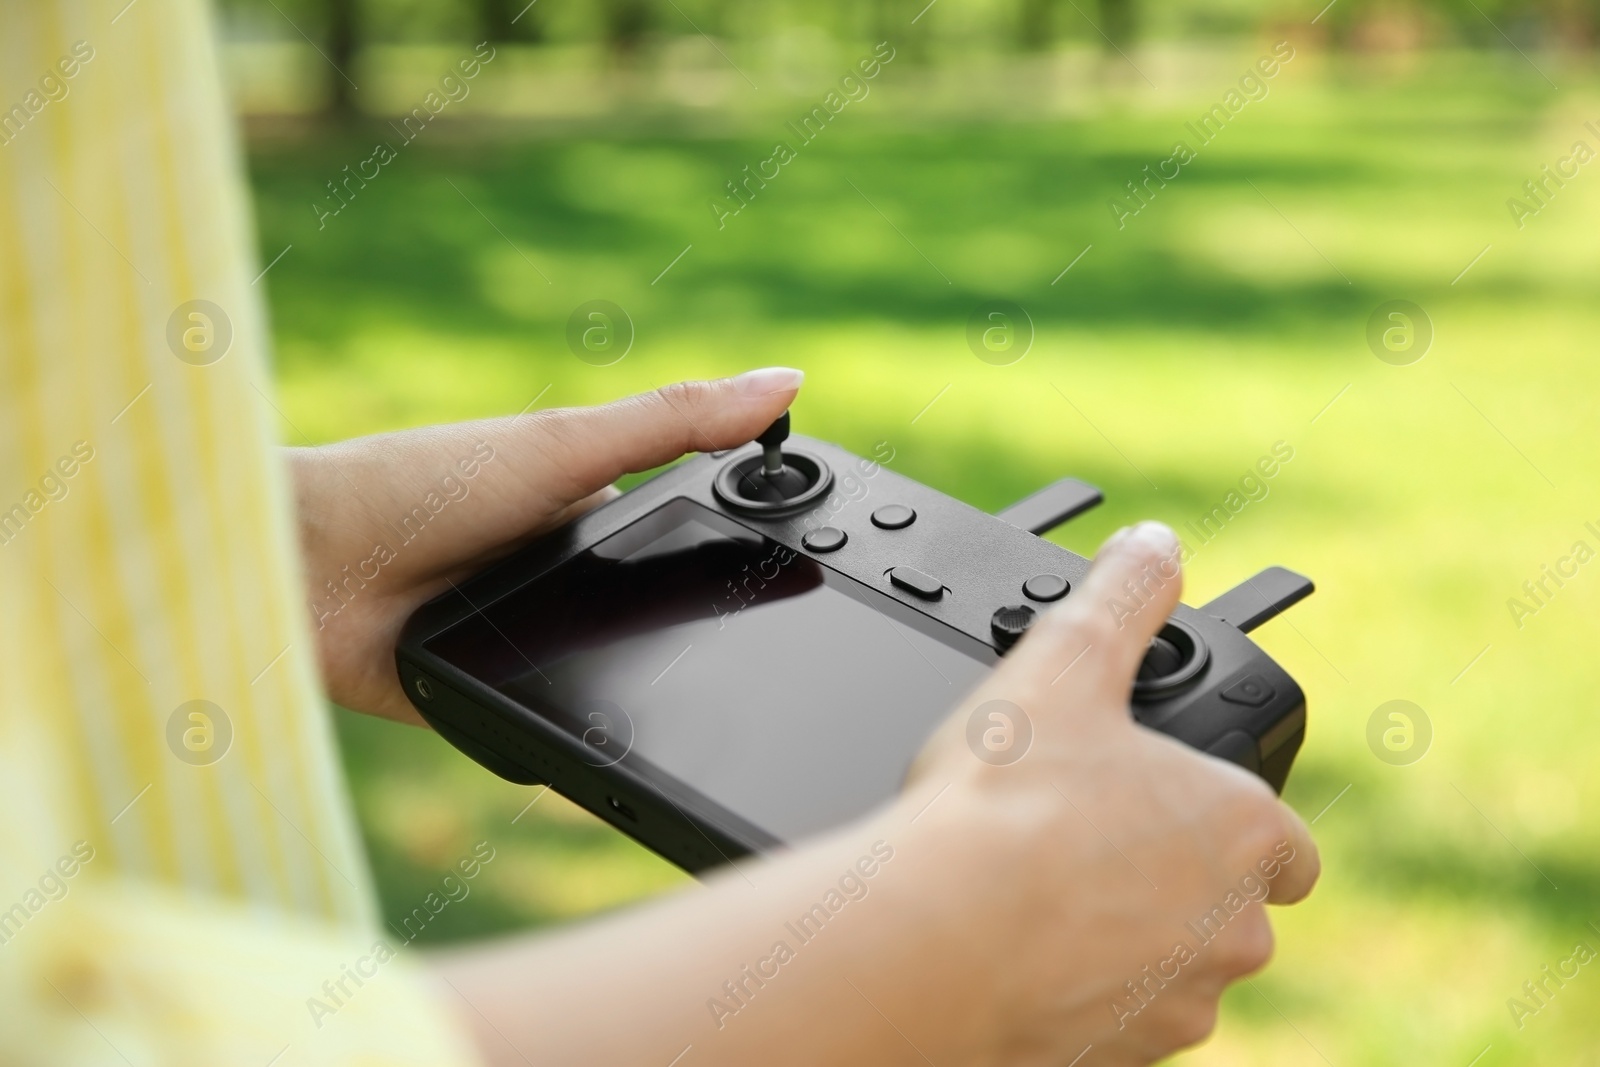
pixel 162 733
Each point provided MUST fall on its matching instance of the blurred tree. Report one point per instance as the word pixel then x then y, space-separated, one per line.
pixel 343 39
pixel 1036 24
pixel 511 20
pixel 625 24
pixel 1118 20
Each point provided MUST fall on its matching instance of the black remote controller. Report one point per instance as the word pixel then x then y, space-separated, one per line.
pixel 752 646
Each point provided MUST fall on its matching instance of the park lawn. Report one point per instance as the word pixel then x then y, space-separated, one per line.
pixel 1227 316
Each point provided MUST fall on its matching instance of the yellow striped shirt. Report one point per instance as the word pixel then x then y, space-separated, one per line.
pixel 180 876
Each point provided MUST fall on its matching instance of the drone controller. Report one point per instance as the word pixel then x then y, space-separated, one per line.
pixel 752 646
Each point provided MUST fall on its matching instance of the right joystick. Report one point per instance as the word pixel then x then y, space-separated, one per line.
pixel 1175 656
pixel 776 479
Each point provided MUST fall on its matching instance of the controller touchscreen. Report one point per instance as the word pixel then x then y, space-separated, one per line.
pixel 782 690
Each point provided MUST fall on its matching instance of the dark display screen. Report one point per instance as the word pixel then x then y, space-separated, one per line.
pixel 789 694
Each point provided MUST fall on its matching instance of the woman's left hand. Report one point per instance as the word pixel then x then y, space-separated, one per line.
pixel 389 522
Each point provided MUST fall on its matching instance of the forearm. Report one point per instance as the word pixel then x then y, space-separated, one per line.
pixel 745 968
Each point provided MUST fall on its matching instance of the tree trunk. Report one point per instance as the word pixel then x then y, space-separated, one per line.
pixel 626 23
pixel 343 38
pixel 1118 21
pixel 1036 25
pixel 512 20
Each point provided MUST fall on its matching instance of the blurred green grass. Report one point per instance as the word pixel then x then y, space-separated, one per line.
pixel 1230 314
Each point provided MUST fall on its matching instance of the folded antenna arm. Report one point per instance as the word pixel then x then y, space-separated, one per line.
pixel 1255 600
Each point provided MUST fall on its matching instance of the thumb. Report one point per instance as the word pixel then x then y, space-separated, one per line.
pixel 570 453
pixel 547 464
pixel 1103 629
pixel 1078 661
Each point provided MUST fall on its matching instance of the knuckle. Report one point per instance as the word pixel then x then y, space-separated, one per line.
pixel 681 395
pixel 562 441
pixel 557 431
pixel 1192 1022
pixel 1262 827
pixel 1250 948
pixel 1259 944
pixel 1254 813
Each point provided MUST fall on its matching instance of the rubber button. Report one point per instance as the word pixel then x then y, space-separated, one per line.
pixel 1252 691
pixel 893 517
pixel 1045 587
pixel 825 539
pixel 917 583
pixel 1009 623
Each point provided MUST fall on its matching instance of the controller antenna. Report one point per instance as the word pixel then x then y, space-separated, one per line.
pixel 771 441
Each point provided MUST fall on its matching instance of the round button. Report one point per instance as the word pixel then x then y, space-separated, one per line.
pixel 825 539
pixel 1045 587
pixel 1010 623
pixel 893 517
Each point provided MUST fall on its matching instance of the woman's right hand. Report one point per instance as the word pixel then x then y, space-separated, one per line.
pixel 1106 887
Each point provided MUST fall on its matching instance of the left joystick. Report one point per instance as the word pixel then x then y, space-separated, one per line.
pixel 775 480
pixel 771 442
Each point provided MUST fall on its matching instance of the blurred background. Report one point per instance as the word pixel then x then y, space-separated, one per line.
pixel 427 238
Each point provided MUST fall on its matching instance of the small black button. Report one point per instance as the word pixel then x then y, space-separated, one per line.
pixel 1045 587
pixel 917 583
pixel 825 539
pixel 1010 623
pixel 893 517
pixel 1252 691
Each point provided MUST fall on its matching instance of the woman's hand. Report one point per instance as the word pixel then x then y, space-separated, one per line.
pixel 1124 874
pixel 388 522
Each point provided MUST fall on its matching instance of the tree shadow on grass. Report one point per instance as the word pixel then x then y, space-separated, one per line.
pixel 408 249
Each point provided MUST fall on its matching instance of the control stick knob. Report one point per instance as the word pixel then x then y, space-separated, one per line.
pixel 771 442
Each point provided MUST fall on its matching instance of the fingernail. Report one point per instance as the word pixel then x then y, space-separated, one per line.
pixel 769 380
pixel 1156 535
